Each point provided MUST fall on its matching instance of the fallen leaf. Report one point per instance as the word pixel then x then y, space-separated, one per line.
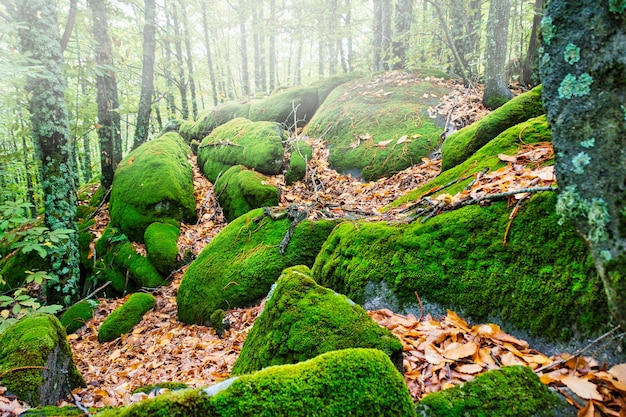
pixel 470 368
pixel 507 158
pixel 384 143
pixel 584 389
pixel 619 372
pixel 457 350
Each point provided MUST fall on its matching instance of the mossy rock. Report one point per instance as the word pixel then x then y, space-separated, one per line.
pixel 280 107
pixel 76 316
pixel 160 385
pixel 54 411
pixel 13 269
pixel 124 318
pixel 326 85
pixel 153 183
pixel 381 112
pixel 238 267
pixel 119 262
pixel 196 130
pixel 458 259
pixel 85 239
pixel 36 361
pixel 301 320
pixel 351 382
pixel 301 152
pixel 256 145
pixel 240 190
pixel 462 144
pixel 228 111
pixel 485 159
pixel 512 391
pixel 162 246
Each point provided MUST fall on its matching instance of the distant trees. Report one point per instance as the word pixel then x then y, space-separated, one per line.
pixel 496 89
pixel 147 74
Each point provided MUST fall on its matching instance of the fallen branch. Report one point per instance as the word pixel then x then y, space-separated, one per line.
pixel 221 143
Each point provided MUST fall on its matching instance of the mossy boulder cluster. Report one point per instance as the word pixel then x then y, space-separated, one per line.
pixel 125 317
pixel 76 316
pixel 238 267
pixel 378 127
pixel 301 320
pixel 459 146
pixel 153 183
pixel 36 361
pixel 351 382
pixel 162 246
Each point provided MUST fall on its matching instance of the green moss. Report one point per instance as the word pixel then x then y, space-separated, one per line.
pixel 31 342
pixel 153 183
pixel 151 387
pixel 76 316
pixel 617 6
pixel 296 104
pixel 53 411
pixel 228 111
pixel 352 382
pixel 462 144
pixel 240 190
pixel 512 391
pixel 238 267
pixel 383 111
pixel 125 317
pixel 85 239
pixel 162 246
pixel 486 158
pixel 256 145
pixel 97 197
pixel 458 259
pixel 302 320
pixel 203 125
pixel 13 269
pixel 326 85
pixel 300 154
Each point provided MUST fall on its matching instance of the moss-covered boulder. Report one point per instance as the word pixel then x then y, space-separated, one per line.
pixel 36 361
pixel 240 190
pixel 302 320
pixel 326 85
pixel 153 183
pixel 125 317
pixel 458 259
pixel 119 262
pixel 292 107
pixel 76 316
pixel 162 246
pixel 512 391
pixel 462 144
pixel 301 153
pixel 378 127
pixel 256 145
pixel 352 382
pixel 238 267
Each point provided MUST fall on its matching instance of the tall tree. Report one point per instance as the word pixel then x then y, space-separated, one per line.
pixel 147 74
pixel 584 92
pixel 465 29
pixel 496 90
pixel 39 37
pixel 189 60
pixel 209 55
pixel 377 36
pixel 272 48
pixel 181 82
pixel 108 101
pixel 403 16
pixel 528 68
pixel 245 78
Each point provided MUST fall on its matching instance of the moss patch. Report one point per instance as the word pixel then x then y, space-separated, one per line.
pixel 37 340
pixel 513 391
pixel 256 145
pixel 296 104
pixel 151 387
pixel 125 317
pixel 302 320
pixel 153 183
pixel 301 152
pixel 238 267
pixel 377 110
pixel 462 144
pixel 162 246
pixel 458 259
pixel 240 190
pixel 76 316
pixel 352 382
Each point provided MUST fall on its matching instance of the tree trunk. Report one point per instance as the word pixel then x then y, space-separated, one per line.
pixel 272 47
pixel 402 31
pixel 528 77
pixel 496 90
pixel 386 35
pixel 39 36
pixel 69 25
pixel 207 45
pixel 181 83
pixel 245 80
pixel 189 61
pixel 108 101
pixel 377 37
pixel 582 71
pixel 147 74
pixel 167 71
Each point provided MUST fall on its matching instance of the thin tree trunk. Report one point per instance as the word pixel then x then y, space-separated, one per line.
pixel 245 80
pixel 147 74
pixel 377 39
pixel 387 11
pixel 272 47
pixel 69 25
pixel 496 90
pixel 192 83
pixel 182 82
pixel 207 44
pixel 528 69
pixel 169 79
pixel 402 29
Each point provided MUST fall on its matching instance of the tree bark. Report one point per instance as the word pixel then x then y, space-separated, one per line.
pixel 245 79
pixel 189 61
pixel 207 45
pixel 69 25
pixel 181 83
pixel 272 48
pixel 528 69
pixel 402 29
pixel 147 74
pixel 496 90
pixel 377 37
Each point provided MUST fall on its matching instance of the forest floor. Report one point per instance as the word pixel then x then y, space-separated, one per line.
pixel 439 351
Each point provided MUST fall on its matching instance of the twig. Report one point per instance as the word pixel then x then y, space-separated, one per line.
pixel 511 217
pixel 102 203
pixel 419 300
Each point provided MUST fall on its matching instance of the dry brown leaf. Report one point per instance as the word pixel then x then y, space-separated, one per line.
pixel 619 372
pixel 583 388
pixel 588 411
pixel 457 350
pixel 470 368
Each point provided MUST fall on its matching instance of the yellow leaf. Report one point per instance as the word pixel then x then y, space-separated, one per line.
pixel 5 313
pixel 588 411
pixel 581 387
pixel 456 350
pixel 455 320
pixel 470 368
pixel 432 356
pixel 116 354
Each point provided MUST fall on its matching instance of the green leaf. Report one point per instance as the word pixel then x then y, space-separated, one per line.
pixel 16 309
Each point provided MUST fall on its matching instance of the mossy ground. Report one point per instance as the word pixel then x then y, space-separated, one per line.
pixel 240 190
pixel 512 391
pixel 125 317
pixel 351 382
pixel 542 280
pixel 153 183
pixel 76 316
pixel 302 320
pixel 256 145
pixel 238 267
pixel 162 246
pixel 291 107
pixel 29 343
pixel 384 111
pixel 462 144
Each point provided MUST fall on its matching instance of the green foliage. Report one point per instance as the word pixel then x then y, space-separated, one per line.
pixel 351 382
pixel 125 317
pixel 512 391
pixel 162 246
pixel 76 316
pixel 301 320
